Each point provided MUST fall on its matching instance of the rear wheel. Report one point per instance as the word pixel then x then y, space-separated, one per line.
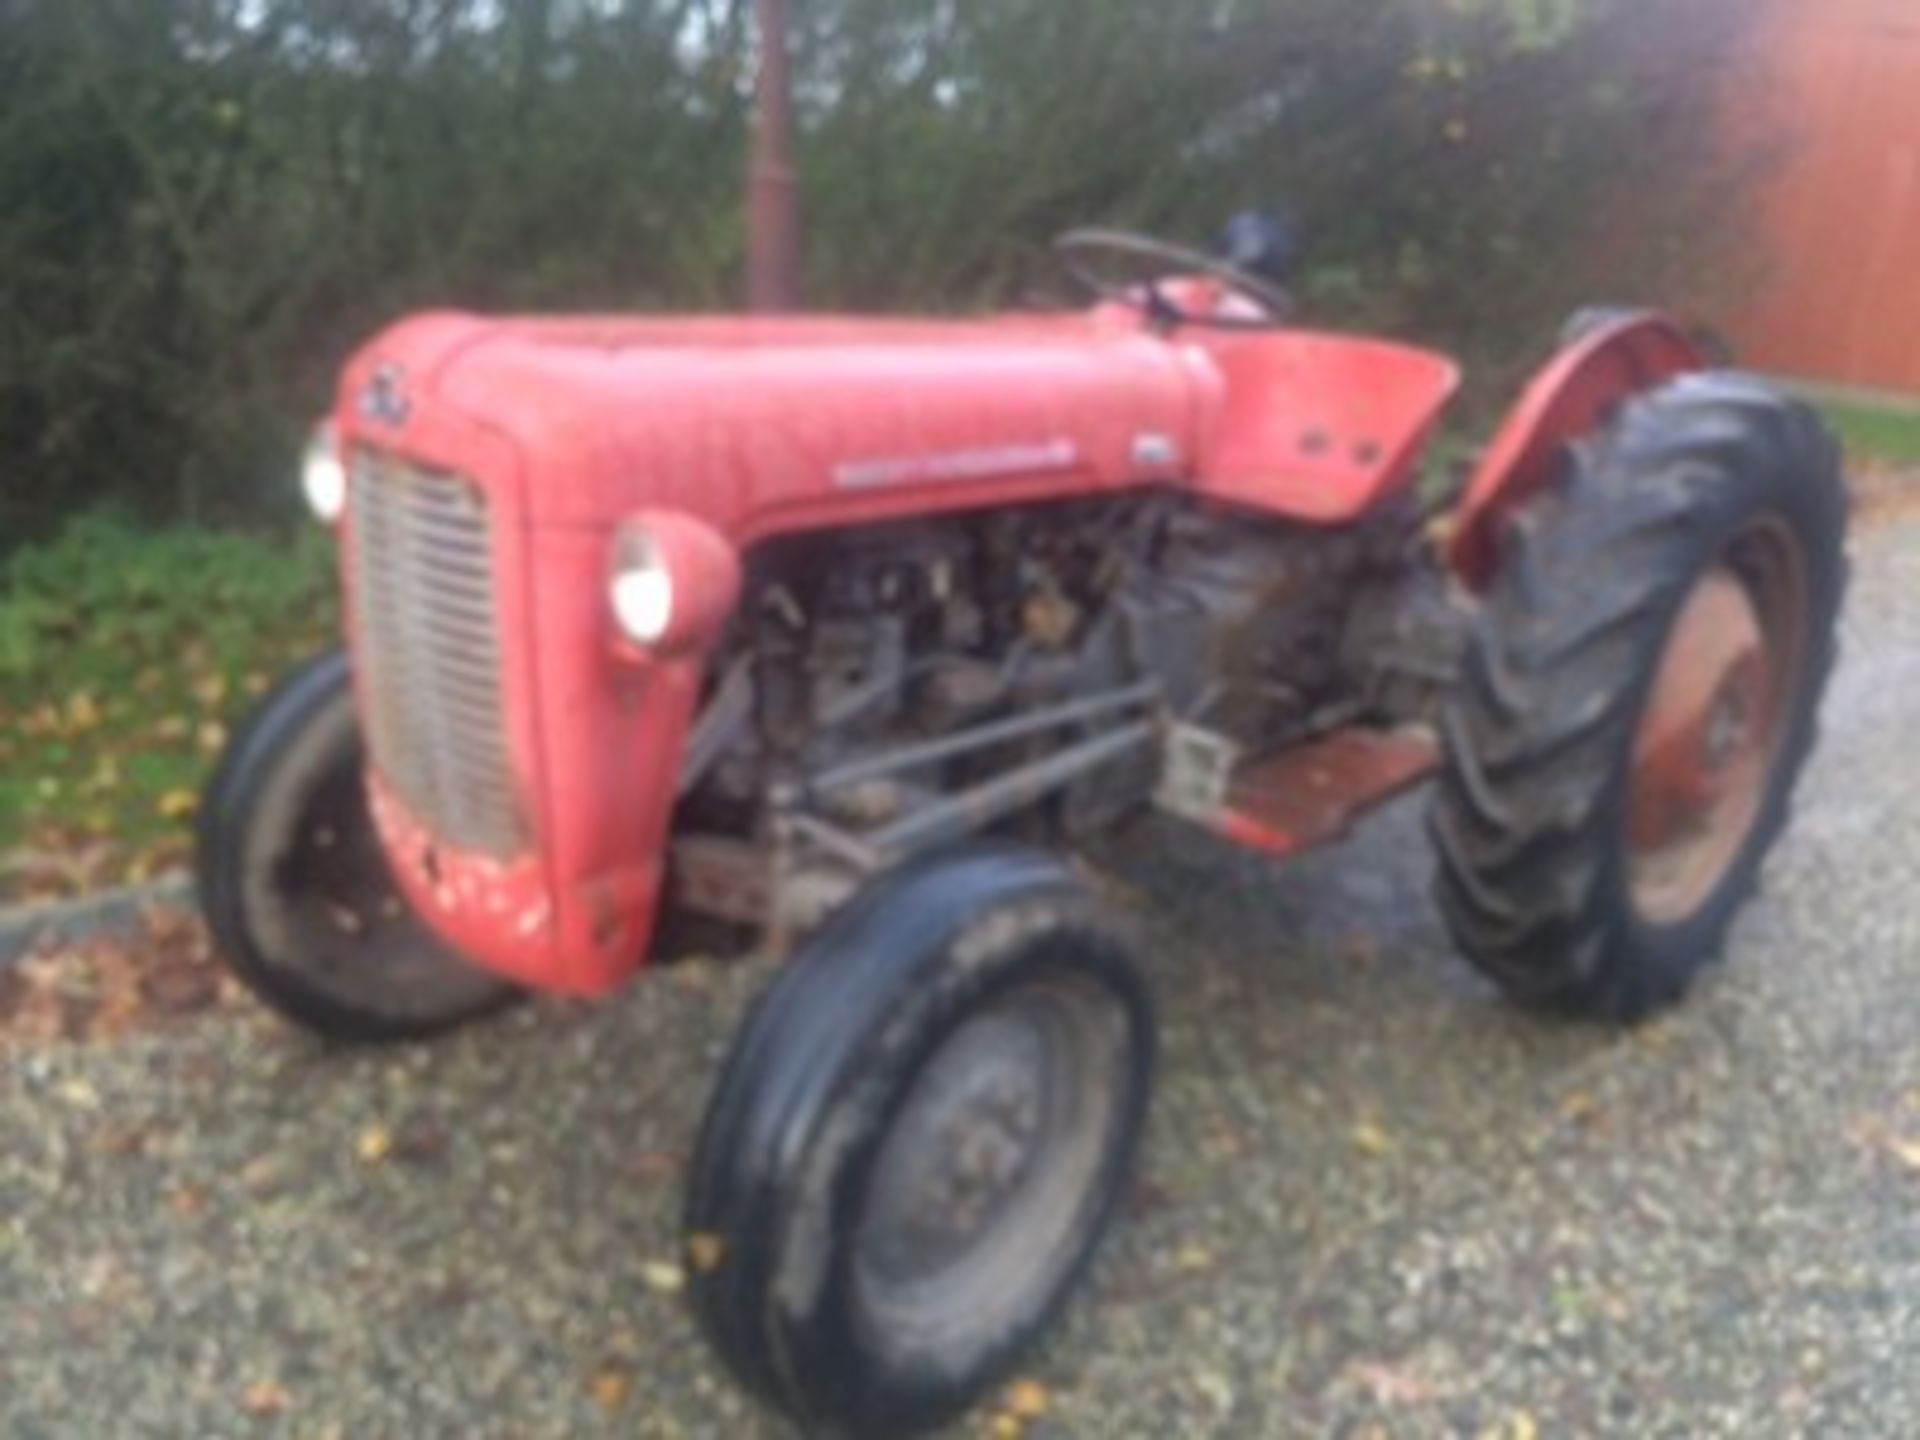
pixel 917 1142
pixel 1639 697
pixel 296 887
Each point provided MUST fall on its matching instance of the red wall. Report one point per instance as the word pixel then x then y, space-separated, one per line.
pixel 1840 299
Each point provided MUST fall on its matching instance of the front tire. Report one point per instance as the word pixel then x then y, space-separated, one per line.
pixel 296 888
pixel 1639 697
pixel 917 1142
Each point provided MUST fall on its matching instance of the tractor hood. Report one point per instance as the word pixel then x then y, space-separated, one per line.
pixel 760 426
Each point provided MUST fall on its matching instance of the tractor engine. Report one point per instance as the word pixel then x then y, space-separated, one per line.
pixel 885 690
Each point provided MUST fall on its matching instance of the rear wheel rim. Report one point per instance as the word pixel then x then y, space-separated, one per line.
pixel 991 1170
pixel 1712 731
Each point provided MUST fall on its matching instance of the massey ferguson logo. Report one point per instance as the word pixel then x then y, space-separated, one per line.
pixel 988 464
pixel 385 398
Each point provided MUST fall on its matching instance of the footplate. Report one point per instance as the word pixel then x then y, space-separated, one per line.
pixel 1306 796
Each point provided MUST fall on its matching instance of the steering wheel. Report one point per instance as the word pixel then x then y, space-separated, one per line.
pixel 1083 253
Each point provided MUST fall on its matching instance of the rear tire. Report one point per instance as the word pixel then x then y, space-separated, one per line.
pixel 1585 863
pixel 296 887
pixel 918 1141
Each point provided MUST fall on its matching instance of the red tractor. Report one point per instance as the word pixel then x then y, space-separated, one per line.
pixel 830 630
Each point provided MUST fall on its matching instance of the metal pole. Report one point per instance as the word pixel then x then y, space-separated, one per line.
pixel 773 188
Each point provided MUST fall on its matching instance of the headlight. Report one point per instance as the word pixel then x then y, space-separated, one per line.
pixel 672 582
pixel 323 475
pixel 642 589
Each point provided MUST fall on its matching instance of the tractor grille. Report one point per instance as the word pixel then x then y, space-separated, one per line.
pixel 429 652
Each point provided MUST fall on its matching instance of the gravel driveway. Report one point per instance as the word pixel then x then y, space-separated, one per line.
pixel 1376 1203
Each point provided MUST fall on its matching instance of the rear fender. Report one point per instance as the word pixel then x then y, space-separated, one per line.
pixel 1315 428
pixel 1577 393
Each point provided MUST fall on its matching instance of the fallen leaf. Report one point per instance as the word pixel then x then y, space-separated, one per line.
pixel 376 1144
pixel 260 1174
pixel 180 987
pixel 1370 1137
pixel 1906 1151
pixel 1391 1384
pixel 186 1201
pixel 80 1094
pixel 663 1277
pixel 1193 1259
pixel 1658 1035
pixel 1520 1425
pixel 1216 1389
pixel 119 1140
pixel 705 1251
pixel 178 804
pixel 1874 1133
pixel 1028 1400
pixel 1227 1144
pixel 612 1387
pixel 266 1398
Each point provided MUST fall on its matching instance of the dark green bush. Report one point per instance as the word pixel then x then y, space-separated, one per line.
pixel 204 204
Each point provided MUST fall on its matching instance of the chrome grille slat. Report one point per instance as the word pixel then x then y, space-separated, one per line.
pixel 430 652
pixel 459 599
pixel 446 566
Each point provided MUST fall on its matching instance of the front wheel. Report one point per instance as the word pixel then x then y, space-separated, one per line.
pixel 296 887
pixel 917 1142
pixel 1639 697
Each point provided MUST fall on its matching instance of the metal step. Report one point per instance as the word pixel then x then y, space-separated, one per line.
pixel 1307 796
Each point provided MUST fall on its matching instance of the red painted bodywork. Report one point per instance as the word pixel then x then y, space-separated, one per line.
pixel 1571 398
pixel 760 427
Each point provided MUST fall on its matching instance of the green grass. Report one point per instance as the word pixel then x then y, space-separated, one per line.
pixel 1875 433
pixel 125 655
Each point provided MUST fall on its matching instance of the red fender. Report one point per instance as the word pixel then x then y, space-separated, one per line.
pixel 1576 394
pixel 1315 428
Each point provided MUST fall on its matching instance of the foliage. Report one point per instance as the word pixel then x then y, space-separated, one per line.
pixel 1883 435
pixel 124 655
pixel 205 203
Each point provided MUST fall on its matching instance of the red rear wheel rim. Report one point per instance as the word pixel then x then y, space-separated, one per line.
pixel 1711 733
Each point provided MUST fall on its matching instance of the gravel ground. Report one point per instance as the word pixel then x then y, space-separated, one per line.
pixel 1375 1202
